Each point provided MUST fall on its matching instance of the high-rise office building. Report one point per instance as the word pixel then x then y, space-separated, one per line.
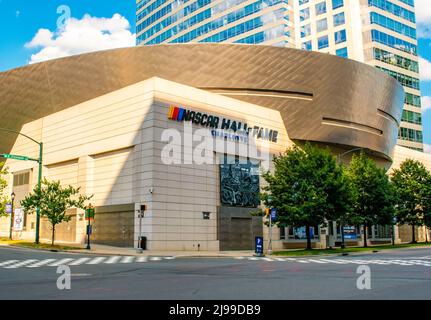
pixel 378 32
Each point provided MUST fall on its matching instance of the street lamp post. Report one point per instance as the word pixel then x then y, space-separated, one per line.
pixel 343 243
pixel 11 215
pixel 39 178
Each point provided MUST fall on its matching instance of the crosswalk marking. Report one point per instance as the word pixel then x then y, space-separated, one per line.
pixel 60 262
pixel 96 260
pixel 127 259
pixel 41 263
pixel 19 264
pixel 142 259
pixel 302 261
pixel 8 262
pixel 34 263
pixel 79 261
pixel 113 260
pixel 401 262
pixel 317 261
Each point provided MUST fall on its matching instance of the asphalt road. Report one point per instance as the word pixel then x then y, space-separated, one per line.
pixel 397 274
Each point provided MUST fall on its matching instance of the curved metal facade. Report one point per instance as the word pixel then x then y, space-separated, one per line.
pixel 321 98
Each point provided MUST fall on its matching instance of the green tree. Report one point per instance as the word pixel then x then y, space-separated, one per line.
pixel 372 194
pixel 53 201
pixel 307 187
pixel 4 199
pixel 412 182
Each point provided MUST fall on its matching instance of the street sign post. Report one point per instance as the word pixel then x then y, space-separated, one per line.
pixel 89 215
pixel 18 220
pixel 39 175
pixel 273 214
pixel 16 157
pixel 259 246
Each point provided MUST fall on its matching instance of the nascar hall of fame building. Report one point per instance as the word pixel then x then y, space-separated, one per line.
pixel 129 125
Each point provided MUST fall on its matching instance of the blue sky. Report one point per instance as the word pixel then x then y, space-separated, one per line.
pixel 30 32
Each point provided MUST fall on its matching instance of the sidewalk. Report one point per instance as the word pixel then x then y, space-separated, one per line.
pixel 98 249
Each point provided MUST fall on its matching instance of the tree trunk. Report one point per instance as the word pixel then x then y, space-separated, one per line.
pixel 53 235
pixel 413 234
pixel 307 232
pixel 365 236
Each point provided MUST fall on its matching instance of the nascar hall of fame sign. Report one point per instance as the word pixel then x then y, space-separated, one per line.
pixel 18 220
pixel 221 126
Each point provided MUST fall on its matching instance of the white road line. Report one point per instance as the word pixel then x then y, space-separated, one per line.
pixel 142 259
pixel 60 262
pixel 239 258
pixel 79 261
pixel 267 259
pixel 41 263
pixel 96 260
pixel 169 258
pixel 359 261
pixel 155 259
pixel 127 260
pixel 253 259
pixel 20 264
pixel 382 262
pixel 400 262
pixel 5 263
pixel 112 260
pixel 317 261
pixel 421 263
pixel 332 261
pixel 291 259
pixel 280 259
pixel 303 261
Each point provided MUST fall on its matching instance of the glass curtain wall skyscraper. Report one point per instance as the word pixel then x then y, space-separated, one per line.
pixel 234 21
pixel 381 33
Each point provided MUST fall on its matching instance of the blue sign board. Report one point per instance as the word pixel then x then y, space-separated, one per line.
pixel 89 229
pixel 350 233
pixel 259 245
pixel 8 208
pixel 273 214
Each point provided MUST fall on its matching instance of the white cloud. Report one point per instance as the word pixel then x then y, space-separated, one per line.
pixel 425 69
pixel 423 18
pixel 425 103
pixel 79 36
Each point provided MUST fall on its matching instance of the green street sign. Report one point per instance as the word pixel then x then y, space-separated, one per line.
pixel 15 157
pixel 89 213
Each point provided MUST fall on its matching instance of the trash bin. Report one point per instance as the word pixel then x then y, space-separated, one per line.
pixel 143 243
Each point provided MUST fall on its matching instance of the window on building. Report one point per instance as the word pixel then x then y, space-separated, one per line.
pixel 322 25
pixel 339 19
pixel 396 60
pixel 410 135
pixel 299 233
pixel 282 233
pixel 21 179
pixel 305 30
pixel 412 117
pixel 303 1
pixel 320 8
pixel 340 36
pixel 304 14
pixel 307 46
pixel 342 53
pixel 413 100
pixel 322 42
pixel 337 4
